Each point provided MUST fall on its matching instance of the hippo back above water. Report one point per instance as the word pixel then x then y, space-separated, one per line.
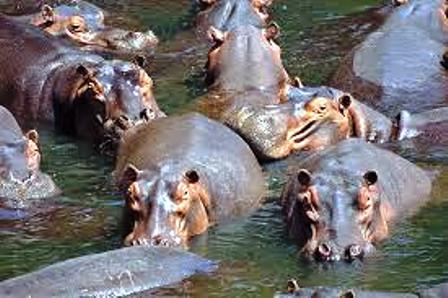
pixel 183 174
pixel 341 201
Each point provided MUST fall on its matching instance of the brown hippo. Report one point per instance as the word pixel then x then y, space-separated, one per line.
pixel 340 202
pixel 182 174
pixel 399 66
pixel 227 15
pixel 43 80
pixel 83 23
pixel 20 176
pixel 248 90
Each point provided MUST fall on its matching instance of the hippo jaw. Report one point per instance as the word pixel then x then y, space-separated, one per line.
pixel 166 211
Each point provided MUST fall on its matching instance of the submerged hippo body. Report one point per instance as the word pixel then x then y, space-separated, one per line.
pixel 183 174
pixel 111 274
pixel 43 80
pixel 83 23
pixel 341 201
pixel 20 176
pixel 399 65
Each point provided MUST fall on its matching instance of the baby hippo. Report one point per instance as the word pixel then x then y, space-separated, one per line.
pixel 182 175
pixel 20 177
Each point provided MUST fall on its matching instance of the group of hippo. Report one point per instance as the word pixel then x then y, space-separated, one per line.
pixel 180 175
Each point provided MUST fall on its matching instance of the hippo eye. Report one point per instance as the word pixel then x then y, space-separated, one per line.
pixel 322 108
pixel 185 194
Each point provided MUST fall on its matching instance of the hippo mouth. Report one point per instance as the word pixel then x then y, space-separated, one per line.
pixel 302 133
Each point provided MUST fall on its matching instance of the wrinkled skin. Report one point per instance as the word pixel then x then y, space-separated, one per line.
pixel 342 117
pixel 340 202
pixel 114 273
pixel 83 94
pixel 20 175
pixel 181 175
pixel 402 65
pixel 227 15
pixel 248 88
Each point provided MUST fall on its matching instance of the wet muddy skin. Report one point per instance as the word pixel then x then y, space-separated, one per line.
pixel 256 255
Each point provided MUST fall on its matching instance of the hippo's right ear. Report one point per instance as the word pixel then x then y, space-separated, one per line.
pixel 33 135
pixel 370 177
pixel 48 13
pixel 129 176
pixel 140 60
pixel 304 177
pixel 215 35
pixel 345 101
pixel 348 294
pixel 272 31
pixel 82 70
pixel 192 176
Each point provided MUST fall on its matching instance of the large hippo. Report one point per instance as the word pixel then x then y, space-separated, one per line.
pixel 402 65
pixel 340 202
pixel 20 176
pixel 115 273
pixel 248 87
pixel 227 15
pixel 83 23
pixel 182 174
pixel 43 80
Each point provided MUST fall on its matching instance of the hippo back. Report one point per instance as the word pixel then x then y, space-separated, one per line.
pixel 230 170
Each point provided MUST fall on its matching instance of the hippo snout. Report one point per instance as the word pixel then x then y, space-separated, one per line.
pixel 327 252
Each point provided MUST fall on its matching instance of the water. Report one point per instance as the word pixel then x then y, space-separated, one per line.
pixel 256 257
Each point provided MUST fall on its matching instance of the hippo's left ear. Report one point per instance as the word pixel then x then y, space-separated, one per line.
pixel 272 31
pixel 192 176
pixel 215 35
pixel 129 176
pixel 33 135
pixel 47 13
pixel 139 60
pixel 304 177
pixel 370 177
pixel 345 101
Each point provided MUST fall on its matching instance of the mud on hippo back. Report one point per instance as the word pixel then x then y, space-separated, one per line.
pixel 20 175
pixel 340 202
pixel 82 23
pixel 183 174
pixel 83 94
pixel 402 65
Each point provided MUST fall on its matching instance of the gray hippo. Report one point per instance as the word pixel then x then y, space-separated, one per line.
pixel 182 174
pixel 20 175
pixel 46 81
pixel 340 202
pixel 83 23
pixel 113 273
pixel 227 15
pixel 402 65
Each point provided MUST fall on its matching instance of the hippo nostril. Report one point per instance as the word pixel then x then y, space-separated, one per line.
pixel 156 240
pixel 353 252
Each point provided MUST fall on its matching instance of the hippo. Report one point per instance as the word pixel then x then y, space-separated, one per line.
pixel 227 15
pixel 115 273
pixel 182 174
pixel 340 202
pixel 20 175
pixel 82 94
pixel 403 64
pixel 83 24
pixel 248 87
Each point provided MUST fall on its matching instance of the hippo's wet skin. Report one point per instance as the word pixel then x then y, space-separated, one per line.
pixel 20 175
pixel 183 174
pixel 340 202
pixel 83 23
pixel 399 66
pixel 115 273
pixel 227 15
pixel 43 80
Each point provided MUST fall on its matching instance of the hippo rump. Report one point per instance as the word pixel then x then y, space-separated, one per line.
pixel 83 23
pixel 340 202
pixel 83 94
pixel 227 15
pixel 113 273
pixel 401 65
pixel 20 176
pixel 183 174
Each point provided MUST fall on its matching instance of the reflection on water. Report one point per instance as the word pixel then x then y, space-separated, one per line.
pixel 256 257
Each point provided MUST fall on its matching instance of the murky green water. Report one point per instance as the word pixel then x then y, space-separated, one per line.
pixel 256 258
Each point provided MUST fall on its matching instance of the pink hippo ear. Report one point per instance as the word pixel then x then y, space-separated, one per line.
pixel 192 176
pixel 48 13
pixel 129 176
pixel 272 31
pixel 33 135
pixel 215 35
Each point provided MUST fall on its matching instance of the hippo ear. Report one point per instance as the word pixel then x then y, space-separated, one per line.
pixel 297 82
pixel 215 35
pixel 304 177
pixel 82 70
pixel 129 176
pixel 370 177
pixel 348 294
pixel 192 176
pixel 272 31
pixel 292 286
pixel 47 13
pixel 33 135
pixel 139 60
pixel 345 101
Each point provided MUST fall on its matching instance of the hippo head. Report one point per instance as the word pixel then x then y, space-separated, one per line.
pixel 107 96
pixel 162 208
pixel 20 177
pixel 334 219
